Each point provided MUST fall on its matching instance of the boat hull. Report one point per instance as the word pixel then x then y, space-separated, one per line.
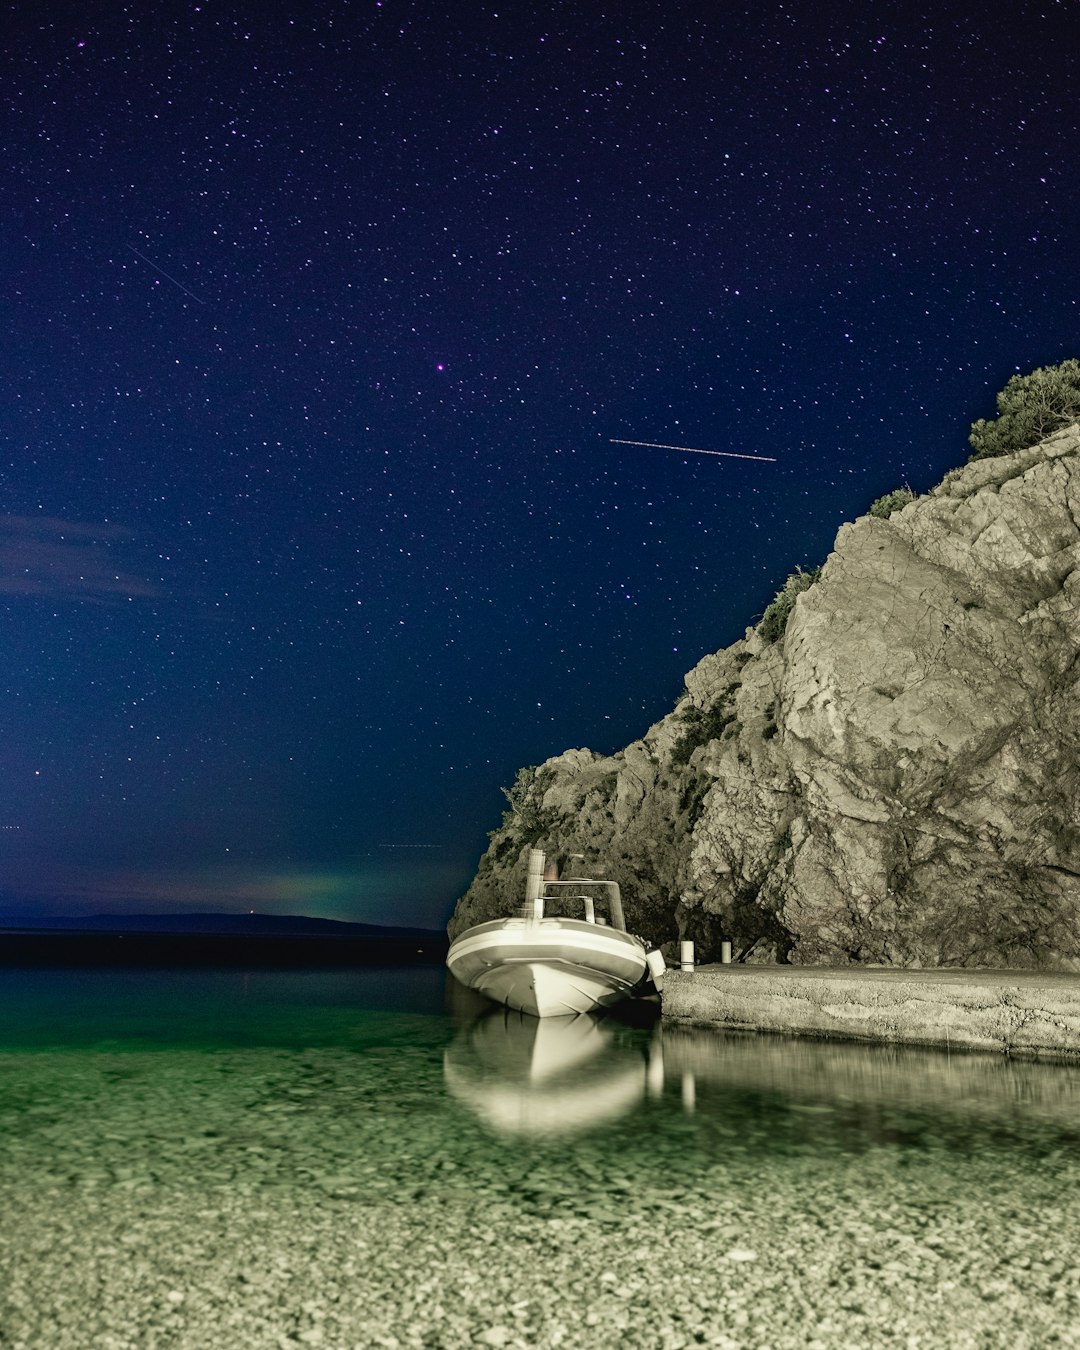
pixel 548 967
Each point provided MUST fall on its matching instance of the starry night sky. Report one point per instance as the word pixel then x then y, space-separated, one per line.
pixel 319 321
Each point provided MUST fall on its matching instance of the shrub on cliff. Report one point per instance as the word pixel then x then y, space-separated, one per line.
pixel 526 818
pixel 892 501
pixel 774 620
pixel 1030 408
pixel 704 725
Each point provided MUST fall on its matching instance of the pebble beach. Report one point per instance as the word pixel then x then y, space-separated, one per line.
pixel 337 1197
pixel 807 1265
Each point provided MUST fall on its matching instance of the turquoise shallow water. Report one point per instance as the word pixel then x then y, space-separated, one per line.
pixel 411 1173
pixel 208 1009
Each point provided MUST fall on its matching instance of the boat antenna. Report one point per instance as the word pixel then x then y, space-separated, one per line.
pixel 534 885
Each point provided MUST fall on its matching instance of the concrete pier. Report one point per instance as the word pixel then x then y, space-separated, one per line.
pixel 1033 1014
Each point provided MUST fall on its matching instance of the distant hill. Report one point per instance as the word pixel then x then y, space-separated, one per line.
pixel 251 941
pixel 257 925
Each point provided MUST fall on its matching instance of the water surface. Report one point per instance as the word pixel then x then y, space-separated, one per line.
pixel 416 1169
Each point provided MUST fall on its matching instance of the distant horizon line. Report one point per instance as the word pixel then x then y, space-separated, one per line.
pixel 24 920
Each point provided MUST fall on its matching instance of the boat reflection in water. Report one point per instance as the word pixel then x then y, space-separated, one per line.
pixel 554 1077
pixel 541 1077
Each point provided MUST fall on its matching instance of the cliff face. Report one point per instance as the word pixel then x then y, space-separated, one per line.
pixel 896 780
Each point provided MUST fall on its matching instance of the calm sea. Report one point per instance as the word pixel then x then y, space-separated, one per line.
pixel 167 1137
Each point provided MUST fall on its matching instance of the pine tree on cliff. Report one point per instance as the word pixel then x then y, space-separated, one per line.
pixel 1030 408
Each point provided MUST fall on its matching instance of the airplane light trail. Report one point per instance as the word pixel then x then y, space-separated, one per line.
pixel 689 450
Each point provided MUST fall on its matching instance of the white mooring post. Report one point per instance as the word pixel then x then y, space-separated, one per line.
pixel 686 956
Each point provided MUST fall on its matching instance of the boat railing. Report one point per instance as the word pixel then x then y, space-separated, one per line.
pixel 614 899
pixel 536 884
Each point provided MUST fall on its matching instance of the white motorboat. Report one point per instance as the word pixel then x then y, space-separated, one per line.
pixel 551 966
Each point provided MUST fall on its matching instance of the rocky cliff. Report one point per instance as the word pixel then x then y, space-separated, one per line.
pixel 895 779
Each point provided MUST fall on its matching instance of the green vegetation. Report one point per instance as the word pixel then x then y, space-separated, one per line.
pixel 1030 408
pixel 892 501
pixel 607 786
pixel 774 620
pixel 526 817
pixel 692 798
pixel 704 725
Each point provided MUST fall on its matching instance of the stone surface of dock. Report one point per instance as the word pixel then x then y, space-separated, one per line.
pixel 1017 1012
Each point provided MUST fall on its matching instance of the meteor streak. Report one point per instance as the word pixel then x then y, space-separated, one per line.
pixel 165 274
pixel 689 450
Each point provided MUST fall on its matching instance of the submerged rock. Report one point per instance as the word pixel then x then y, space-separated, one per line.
pixel 895 780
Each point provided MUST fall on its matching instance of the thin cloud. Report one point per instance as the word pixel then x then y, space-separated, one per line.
pixel 63 559
pixel 88 890
pixel 375 893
